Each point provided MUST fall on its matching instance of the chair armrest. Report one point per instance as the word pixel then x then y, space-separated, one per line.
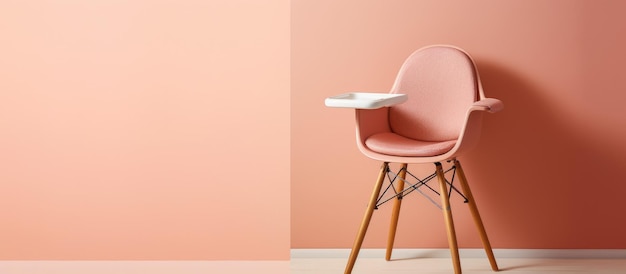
pixel 470 134
pixel 490 105
pixel 370 122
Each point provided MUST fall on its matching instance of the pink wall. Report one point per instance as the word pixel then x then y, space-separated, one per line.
pixel 142 130
pixel 116 142
pixel 549 170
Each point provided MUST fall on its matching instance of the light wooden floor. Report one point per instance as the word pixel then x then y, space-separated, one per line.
pixel 469 266
pixel 317 266
pixel 144 267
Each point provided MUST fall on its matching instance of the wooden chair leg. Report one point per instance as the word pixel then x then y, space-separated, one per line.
pixel 476 215
pixel 447 212
pixel 395 214
pixel 366 219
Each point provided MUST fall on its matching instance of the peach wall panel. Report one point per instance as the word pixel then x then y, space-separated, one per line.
pixel 144 130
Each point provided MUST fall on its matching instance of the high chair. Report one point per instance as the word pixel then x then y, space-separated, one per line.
pixel 431 115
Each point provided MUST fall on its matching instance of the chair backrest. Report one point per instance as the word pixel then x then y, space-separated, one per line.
pixel 441 83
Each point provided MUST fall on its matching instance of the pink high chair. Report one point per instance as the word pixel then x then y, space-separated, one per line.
pixel 432 114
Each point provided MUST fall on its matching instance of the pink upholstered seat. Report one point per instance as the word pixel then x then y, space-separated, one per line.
pixel 390 143
pixel 442 116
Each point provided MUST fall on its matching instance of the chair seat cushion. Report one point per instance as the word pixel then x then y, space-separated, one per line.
pixel 390 143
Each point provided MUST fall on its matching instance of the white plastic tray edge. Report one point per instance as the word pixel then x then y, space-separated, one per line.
pixel 365 100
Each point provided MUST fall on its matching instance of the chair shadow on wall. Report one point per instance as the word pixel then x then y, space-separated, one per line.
pixel 530 167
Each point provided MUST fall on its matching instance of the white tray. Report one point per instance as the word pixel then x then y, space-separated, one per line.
pixel 365 100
